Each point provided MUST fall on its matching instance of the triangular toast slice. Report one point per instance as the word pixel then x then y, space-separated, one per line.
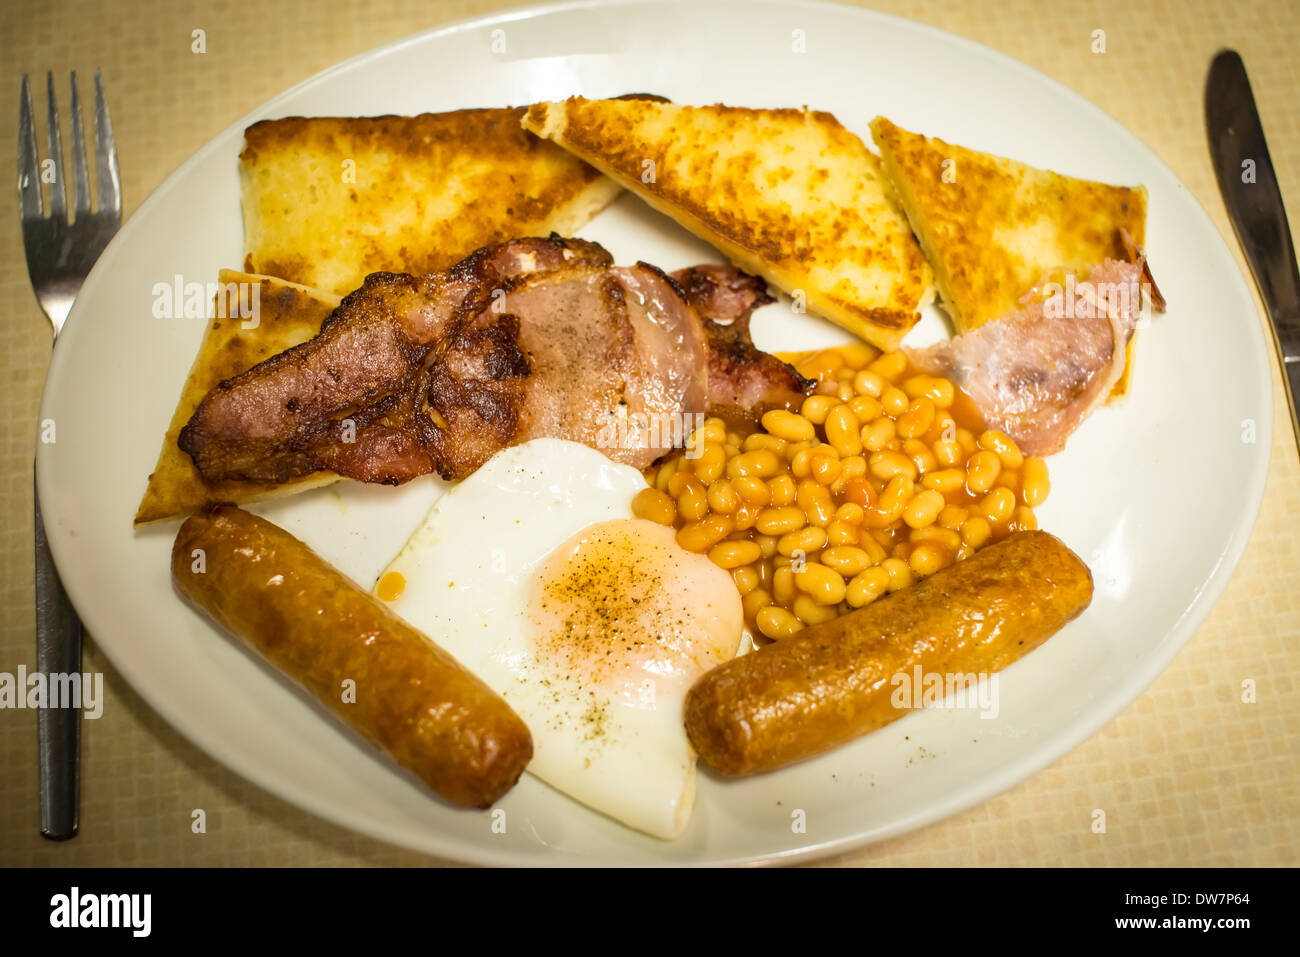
pixel 329 200
pixel 286 314
pixel 994 228
pixel 788 194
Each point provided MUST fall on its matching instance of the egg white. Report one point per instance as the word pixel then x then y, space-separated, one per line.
pixel 469 570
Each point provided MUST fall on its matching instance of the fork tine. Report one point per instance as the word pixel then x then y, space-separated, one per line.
pixel 29 172
pixel 110 182
pixel 58 198
pixel 80 174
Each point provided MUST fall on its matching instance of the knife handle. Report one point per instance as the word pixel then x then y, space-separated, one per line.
pixel 58 730
pixel 1291 386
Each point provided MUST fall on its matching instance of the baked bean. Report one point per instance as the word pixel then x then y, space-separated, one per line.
pixel 751 603
pixel 745 577
pixel 858 354
pixel 715 428
pixel 781 490
pixel 702 535
pixel 806 540
pixel 842 431
pixel 899 491
pixel 976 531
pixel 1034 483
pixel 850 512
pixel 752 490
pixel 997 505
pixel 918 418
pixel 777 623
pixel 734 554
pixel 810 613
pixel 788 426
pixel 655 506
pixel 890 365
pixel 900 573
pixel 875 551
pixel 824 585
pixel 865 408
pixel 936 533
pixel 939 391
pixel 884 465
pixel 759 463
pixel 952 517
pixel 859 493
pixel 801 463
pixel 816 502
pixel 853 468
pixel 982 470
pixel 783 590
pixel 867 586
pixel 778 521
pixel 815 408
pixel 692 500
pixel 894 401
pixel 877 435
pixel 878 516
pixel 944 480
pixel 928 558
pixel 869 383
pixel 744 516
pixel 1007 450
pixel 761 440
pixel 842 533
pixel 709 465
pixel 1023 518
pixel 847 560
pixel 722 497
pixel 824 466
pixel 948 453
pixel 920 453
pixel 923 509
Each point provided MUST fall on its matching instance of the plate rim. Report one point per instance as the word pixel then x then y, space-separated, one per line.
pixel 452 845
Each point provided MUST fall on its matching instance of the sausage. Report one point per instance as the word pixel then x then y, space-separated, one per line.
pixel 411 698
pixel 831 683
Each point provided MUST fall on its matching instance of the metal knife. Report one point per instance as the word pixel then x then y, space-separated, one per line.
pixel 1248 183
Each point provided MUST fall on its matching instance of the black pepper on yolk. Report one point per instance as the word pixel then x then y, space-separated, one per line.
pixel 621 604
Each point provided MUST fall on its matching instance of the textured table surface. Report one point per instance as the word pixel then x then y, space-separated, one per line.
pixel 1187 774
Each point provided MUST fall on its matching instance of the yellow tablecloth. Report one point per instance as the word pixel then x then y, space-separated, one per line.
pixel 1187 774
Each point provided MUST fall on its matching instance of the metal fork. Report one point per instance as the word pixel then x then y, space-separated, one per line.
pixel 59 257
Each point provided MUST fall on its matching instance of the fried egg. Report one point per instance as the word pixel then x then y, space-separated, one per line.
pixel 591 623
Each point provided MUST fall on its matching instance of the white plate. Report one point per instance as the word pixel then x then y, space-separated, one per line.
pixel 1157 496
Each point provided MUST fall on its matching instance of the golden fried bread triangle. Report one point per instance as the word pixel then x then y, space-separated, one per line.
pixel 993 228
pixel 287 314
pixel 329 200
pixel 788 194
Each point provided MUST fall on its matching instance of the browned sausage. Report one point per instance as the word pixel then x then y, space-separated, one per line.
pixel 412 699
pixel 832 683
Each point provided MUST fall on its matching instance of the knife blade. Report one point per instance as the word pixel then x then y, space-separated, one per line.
pixel 1249 187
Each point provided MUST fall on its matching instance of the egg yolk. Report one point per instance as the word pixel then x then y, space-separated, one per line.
pixel 621 604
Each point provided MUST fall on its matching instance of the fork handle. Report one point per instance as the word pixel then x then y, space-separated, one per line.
pixel 58 730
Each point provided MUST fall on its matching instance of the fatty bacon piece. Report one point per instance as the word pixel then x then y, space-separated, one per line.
pixel 529 338
pixel 1036 374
